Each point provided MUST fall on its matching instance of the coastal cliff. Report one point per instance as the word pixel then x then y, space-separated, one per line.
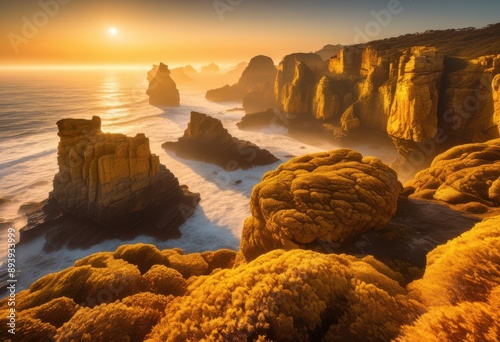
pixel 421 89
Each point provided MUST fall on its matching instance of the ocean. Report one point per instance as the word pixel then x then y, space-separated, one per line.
pixel 33 100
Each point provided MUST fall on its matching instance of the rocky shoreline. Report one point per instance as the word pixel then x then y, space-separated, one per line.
pixel 335 247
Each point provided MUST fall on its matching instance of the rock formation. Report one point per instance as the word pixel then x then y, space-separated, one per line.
pixel 327 99
pixel 113 181
pixel 207 140
pixel 496 97
pixel 296 80
pixel 259 99
pixel 162 90
pixel 429 88
pixel 331 197
pixel 257 79
pixel 413 114
pixel 469 99
pixel 467 175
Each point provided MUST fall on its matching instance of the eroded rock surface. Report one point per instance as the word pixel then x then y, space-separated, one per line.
pixel 111 180
pixel 207 140
pixel 331 196
pixel 464 175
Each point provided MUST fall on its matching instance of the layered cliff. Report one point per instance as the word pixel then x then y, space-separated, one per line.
pixel 112 180
pixel 162 90
pixel 207 140
pixel 421 89
pixel 295 82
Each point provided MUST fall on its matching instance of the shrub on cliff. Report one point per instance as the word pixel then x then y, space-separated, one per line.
pixel 128 320
pixel 289 296
pixel 461 288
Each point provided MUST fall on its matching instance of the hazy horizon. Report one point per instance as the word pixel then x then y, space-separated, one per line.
pixel 77 32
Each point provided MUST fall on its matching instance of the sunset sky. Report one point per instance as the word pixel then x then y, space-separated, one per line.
pixel 225 31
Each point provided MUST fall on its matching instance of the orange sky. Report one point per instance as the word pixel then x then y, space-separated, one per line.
pixel 201 31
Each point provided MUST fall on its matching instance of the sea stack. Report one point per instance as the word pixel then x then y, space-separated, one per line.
pixel 207 140
pixel 114 182
pixel 162 90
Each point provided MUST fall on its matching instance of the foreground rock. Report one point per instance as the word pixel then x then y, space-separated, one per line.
pixel 331 197
pixel 207 140
pixel 466 175
pixel 112 184
pixel 162 90
pixel 140 293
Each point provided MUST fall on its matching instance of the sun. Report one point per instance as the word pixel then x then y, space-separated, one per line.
pixel 113 31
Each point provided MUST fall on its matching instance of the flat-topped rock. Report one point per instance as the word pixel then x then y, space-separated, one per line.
pixel 111 180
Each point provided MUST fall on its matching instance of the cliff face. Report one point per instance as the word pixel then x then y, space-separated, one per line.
pixel 207 140
pixel 111 180
pixel 413 114
pixel 415 88
pixel 162 90
pixel 296 80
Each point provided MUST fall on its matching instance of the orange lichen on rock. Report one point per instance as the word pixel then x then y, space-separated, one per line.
pixel 463 174
pixel 289 296
pixel 332 196
pixel 128 320
pixel 461 288
pixel 118 295
pixel 466 321
pixel 466 268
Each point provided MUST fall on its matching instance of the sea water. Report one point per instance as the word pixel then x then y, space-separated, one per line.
pixel 33 100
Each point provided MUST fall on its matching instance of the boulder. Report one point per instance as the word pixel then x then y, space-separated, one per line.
pixel 296 295
pixel 112 180
pixel 330 196
pixel 207 140
pixel 162 90
pixel 462 279
pixel 464 174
